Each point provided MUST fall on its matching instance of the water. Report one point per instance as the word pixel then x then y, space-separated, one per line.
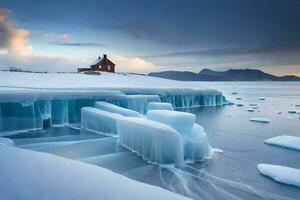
pixel 229 175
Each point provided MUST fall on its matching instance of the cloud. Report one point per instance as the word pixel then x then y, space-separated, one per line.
pixel 80 44
pixel 41 63
pixel 56 36
pixel 135 64
pixel 12 39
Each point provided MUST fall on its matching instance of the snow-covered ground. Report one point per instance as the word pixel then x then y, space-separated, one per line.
pixel 72 80
pixel 29 175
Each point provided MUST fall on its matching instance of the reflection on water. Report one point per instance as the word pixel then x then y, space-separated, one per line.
pixel 229 175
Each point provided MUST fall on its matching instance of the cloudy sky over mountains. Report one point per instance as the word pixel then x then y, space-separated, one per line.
pixel 143 36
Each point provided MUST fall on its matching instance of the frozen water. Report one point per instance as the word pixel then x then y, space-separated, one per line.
pixel 239 98
pixel 6 141
pixel 240 104
pixel 159 106
pixel 292 111
pixel 67 179
pixel 181 121
pixel 99 121
pixel 280 173
pixel 252 104
pixel 139 102
pixel 116 109
pixel 260 119
pixel 250 110
pixel 154 141
pixel 287 141
pixel 262 98
pixel 196 145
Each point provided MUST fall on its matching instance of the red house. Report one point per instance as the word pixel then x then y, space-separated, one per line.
pixel 101 64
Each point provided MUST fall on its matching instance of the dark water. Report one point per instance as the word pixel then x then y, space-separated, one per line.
pixel 229 175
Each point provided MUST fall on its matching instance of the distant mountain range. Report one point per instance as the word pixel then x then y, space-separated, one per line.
pixel 229 75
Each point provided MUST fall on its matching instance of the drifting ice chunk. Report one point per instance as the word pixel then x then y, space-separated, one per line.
pixel 154 141
pixel 159 106
pixel 240 104
pixel 260 119
pixel 234 93
pixel 196 145
pixel 6 141
pixel 252 104
pixel 262 98
pixel 250 110
pixel 292 111
pixel 181 121
pixel 291 142
pixel 239 98
pixel 297 105
pixel 116 109
pixel 281 174
pixel 99 121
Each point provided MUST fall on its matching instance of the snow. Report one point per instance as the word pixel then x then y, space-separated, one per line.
pixel 181 121
pixel 287 141
pixel 6 141
pixel 99 121
pixel 159 106
pixel 116 109
pixel 154 141
pixel 96 61
pixel 280 173
pixel 63 179
pixel 260 119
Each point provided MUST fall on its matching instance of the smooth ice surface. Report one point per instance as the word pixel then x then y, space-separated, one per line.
pixel 281 174
pixel 260 119
pixel 159 106
pixel 109 107
pixel 183 122
pixel 154 141
pixel 99 121
pixel 287 141
pixel 6 141
pixel 43 176
pixel 139 102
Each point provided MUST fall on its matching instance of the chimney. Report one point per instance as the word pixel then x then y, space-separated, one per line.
pixel 99 57
pixel 104 55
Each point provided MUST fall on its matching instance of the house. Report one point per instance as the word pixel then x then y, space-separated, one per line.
pixel 101 64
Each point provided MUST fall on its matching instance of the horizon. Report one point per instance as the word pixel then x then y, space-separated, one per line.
pixel 156 36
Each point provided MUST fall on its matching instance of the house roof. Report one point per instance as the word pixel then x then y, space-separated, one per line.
pixel 98 60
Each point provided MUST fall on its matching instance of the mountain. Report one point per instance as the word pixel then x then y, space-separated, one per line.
pixel 229 75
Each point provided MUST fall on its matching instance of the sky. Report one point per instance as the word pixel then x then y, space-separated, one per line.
pixel 143 36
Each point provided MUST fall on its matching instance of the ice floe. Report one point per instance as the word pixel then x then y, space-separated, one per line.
pixel 262 98
pixel 280 173
pixel 260 119
pixel 287 141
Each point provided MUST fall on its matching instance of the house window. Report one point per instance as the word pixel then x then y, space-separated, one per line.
pixel 108 67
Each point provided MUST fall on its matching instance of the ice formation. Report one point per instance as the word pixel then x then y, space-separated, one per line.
pixel 240 104
pixel 250 110
pixel 239 98
pixel 287 141
pixel 139 102
pixel 99 121
pixel 252 104
pixel 67 179
pixel 159 106
pixel 181 121
pixel 292 111
pixel 262 98
pixel 260 119
pixel 280 173
pixel 116 109
pixel 154 141
pixel 6 141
